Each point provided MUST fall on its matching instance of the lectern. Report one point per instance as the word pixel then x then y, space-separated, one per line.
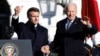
pixel 19 47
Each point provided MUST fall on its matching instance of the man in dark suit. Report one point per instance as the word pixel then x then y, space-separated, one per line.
pixel 71 32
pixel 32 30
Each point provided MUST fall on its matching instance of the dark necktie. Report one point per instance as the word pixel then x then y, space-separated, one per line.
pixel 35 28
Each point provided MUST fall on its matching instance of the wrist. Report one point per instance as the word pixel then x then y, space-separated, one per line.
pixel 89 25
pixel 16 14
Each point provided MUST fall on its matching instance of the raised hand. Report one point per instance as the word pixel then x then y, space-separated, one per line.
pixel 18 10
pixel 86 20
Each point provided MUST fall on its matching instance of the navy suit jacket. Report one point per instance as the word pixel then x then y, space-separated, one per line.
pixel 71 41
pixel 38 36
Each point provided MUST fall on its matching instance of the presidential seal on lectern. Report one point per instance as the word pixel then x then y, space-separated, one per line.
pixel 9 49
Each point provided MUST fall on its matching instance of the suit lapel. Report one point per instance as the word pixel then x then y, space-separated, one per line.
pixel 64 24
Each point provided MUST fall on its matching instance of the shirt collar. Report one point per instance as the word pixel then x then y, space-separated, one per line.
pixel 35 25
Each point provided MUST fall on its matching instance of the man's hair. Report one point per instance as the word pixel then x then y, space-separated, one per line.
pixel 68 4
pixel 32 9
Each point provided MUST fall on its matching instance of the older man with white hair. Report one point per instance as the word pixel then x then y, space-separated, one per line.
pixel 71 32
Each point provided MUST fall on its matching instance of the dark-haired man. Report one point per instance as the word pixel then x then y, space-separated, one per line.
pixel 32 30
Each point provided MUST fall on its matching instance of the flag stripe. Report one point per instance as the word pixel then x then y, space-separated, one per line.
pixel 90 9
